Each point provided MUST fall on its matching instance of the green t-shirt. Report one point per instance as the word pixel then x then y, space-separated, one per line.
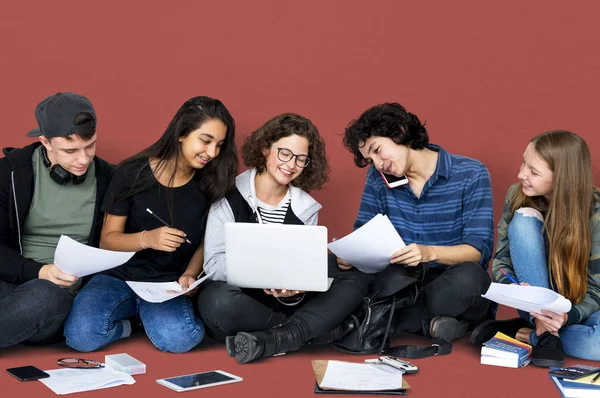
pixel 57 210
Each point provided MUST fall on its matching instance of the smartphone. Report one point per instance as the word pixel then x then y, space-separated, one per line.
pixel 393 181
pixel 406 366
pixel 28 373
pixel 199 380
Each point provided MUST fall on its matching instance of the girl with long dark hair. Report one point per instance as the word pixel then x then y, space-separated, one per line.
pixel 177 178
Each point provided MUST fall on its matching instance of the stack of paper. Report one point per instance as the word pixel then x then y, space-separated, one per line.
pixel 350 376
pixel 370 247
pixel 67 381
pixel 502 350
pixel 527 298
pixel 75 258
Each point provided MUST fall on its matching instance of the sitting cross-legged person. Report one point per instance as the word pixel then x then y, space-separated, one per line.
pixel 51 188
pixel 549 236
pixel 444 214
pixel 192 165
pixel 287 156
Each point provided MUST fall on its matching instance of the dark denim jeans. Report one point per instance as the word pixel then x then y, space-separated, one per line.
pixel 454 291
pixel 32 313
pixel 227 310
pixel 99 310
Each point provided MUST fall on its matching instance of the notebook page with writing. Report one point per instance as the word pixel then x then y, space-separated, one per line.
pixel 350 376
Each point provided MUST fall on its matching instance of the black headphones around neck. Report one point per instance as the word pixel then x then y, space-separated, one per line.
pixel 58 173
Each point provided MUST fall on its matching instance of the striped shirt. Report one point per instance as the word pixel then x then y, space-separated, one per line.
pixel 274 214
pixel 455 206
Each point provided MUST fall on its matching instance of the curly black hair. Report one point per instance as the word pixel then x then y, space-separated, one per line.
pixel 316 174
pixel 386 120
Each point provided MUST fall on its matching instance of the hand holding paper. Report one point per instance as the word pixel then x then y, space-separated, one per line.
pixel 370 247
pixel 75 258
pixel 52 273
pixel 157 292
pixel 527 298
pixel 185 281
pixel 413 255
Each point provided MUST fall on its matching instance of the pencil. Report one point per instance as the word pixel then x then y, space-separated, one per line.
pixel 164 222
pixel 596 377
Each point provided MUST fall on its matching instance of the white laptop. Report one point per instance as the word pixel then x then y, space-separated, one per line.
pixel 276 256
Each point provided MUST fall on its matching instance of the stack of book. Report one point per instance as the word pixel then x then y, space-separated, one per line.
pixel 587 386
pixel 502 350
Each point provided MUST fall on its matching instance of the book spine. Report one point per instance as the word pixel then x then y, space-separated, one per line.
pixel 498 344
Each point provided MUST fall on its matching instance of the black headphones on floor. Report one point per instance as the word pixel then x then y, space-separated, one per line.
pixel 58 173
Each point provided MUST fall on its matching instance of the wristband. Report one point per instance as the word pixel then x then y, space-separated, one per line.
pixel 142 240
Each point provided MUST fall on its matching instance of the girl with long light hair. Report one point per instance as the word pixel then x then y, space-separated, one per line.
pixel 549 236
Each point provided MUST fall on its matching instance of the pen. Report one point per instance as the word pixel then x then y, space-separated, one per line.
pixel 164 222
pixel 596 377
pixel 509 276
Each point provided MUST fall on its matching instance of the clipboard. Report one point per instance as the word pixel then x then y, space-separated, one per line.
pixel 319 368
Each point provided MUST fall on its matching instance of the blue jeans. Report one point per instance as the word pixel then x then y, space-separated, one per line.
pixel 100 313
pixel 528 254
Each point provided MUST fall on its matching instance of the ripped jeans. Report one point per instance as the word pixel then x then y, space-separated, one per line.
pixel 528 254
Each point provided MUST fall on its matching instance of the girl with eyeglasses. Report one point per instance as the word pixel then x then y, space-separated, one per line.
pixel 287 160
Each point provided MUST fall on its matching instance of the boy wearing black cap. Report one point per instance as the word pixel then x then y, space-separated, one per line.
pixel 50 188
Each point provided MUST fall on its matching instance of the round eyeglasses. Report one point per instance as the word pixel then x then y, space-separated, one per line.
pixel 285 155
pixel 79 363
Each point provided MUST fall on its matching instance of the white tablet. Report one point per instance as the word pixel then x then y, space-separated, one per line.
pixel 198 380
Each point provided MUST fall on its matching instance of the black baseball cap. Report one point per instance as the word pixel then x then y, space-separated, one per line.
pixel 56 116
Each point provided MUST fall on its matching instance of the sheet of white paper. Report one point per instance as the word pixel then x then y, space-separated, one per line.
pixel 75 258
pixel 157 292
pixel 370 247
pixel 67 381
pixel 527 298
pixel 358 377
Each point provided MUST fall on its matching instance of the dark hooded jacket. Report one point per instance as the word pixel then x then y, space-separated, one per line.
pixel 16 194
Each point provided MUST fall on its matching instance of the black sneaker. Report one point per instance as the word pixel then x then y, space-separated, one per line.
pixel 447 328
pixel 488 329
pixel 230 345
pixel 548 352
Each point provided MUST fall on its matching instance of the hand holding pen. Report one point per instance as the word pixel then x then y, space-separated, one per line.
pixel 164 238
pixel 509 276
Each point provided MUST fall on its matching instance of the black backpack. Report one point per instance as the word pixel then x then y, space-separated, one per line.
pixel 393 289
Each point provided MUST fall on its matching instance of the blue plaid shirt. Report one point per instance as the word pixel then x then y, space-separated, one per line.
pixel 455 206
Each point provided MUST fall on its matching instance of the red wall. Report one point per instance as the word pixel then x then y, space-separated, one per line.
pixel 486 77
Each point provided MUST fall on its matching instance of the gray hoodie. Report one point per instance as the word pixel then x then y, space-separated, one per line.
pixel 302 204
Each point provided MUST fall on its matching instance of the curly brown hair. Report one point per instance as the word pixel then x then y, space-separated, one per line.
pixel 316 174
